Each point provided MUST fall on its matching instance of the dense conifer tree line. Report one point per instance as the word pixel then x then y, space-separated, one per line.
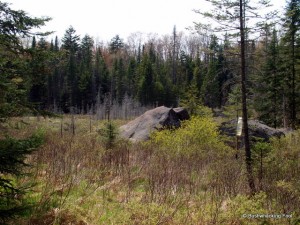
pixel 74 74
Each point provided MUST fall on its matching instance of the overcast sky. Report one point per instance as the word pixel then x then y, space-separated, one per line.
pixel 104 19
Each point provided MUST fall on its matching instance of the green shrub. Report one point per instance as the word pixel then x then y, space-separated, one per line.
pixel 282 172
pixel 109 133
pixel 13 153
pixel 199 135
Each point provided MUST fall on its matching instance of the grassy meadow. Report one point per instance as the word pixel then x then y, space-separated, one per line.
pixel 84 175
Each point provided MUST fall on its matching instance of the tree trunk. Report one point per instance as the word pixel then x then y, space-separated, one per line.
pixel 244 102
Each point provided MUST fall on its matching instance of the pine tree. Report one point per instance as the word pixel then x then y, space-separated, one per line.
pixel 33 44
pixel 290 48
pixel 70 43
pixel 116 44
pixel 198 73
pixel 132 79
pixel 13 102
pixel 85 79
pixel 101 74
pixel 121 81
pixel 185 70
pixel 210 89
pixel 56 81
pixel 13 83
pixel 191 100
pixel 146 88
pixel 56 45
pixel 40 75
pixel 269 87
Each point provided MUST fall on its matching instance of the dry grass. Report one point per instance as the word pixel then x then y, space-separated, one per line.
pixel 79 181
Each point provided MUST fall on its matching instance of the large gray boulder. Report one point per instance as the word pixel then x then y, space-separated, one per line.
pixel 263 131
pixel 257 130
pixel 159 118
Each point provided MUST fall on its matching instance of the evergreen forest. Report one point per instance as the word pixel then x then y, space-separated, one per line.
pixel 74 74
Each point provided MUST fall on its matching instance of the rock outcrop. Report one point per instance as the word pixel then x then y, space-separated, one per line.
pixel 257 130
pixel 161 117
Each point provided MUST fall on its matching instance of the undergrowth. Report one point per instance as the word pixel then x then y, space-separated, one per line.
pixel 183 176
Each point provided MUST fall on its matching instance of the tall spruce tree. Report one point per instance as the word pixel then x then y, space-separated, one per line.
pixel 56 78
pixel 131 72
pixel 70 43
pixel 116 44
pixel 13 102
pixel 210 89
pixel 290 49
pixel 86 76
pixel 146 75
pixel 269 87
pixel 40 75
pixel 101 74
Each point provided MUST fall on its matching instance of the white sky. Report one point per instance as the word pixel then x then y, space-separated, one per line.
pixel 103 19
